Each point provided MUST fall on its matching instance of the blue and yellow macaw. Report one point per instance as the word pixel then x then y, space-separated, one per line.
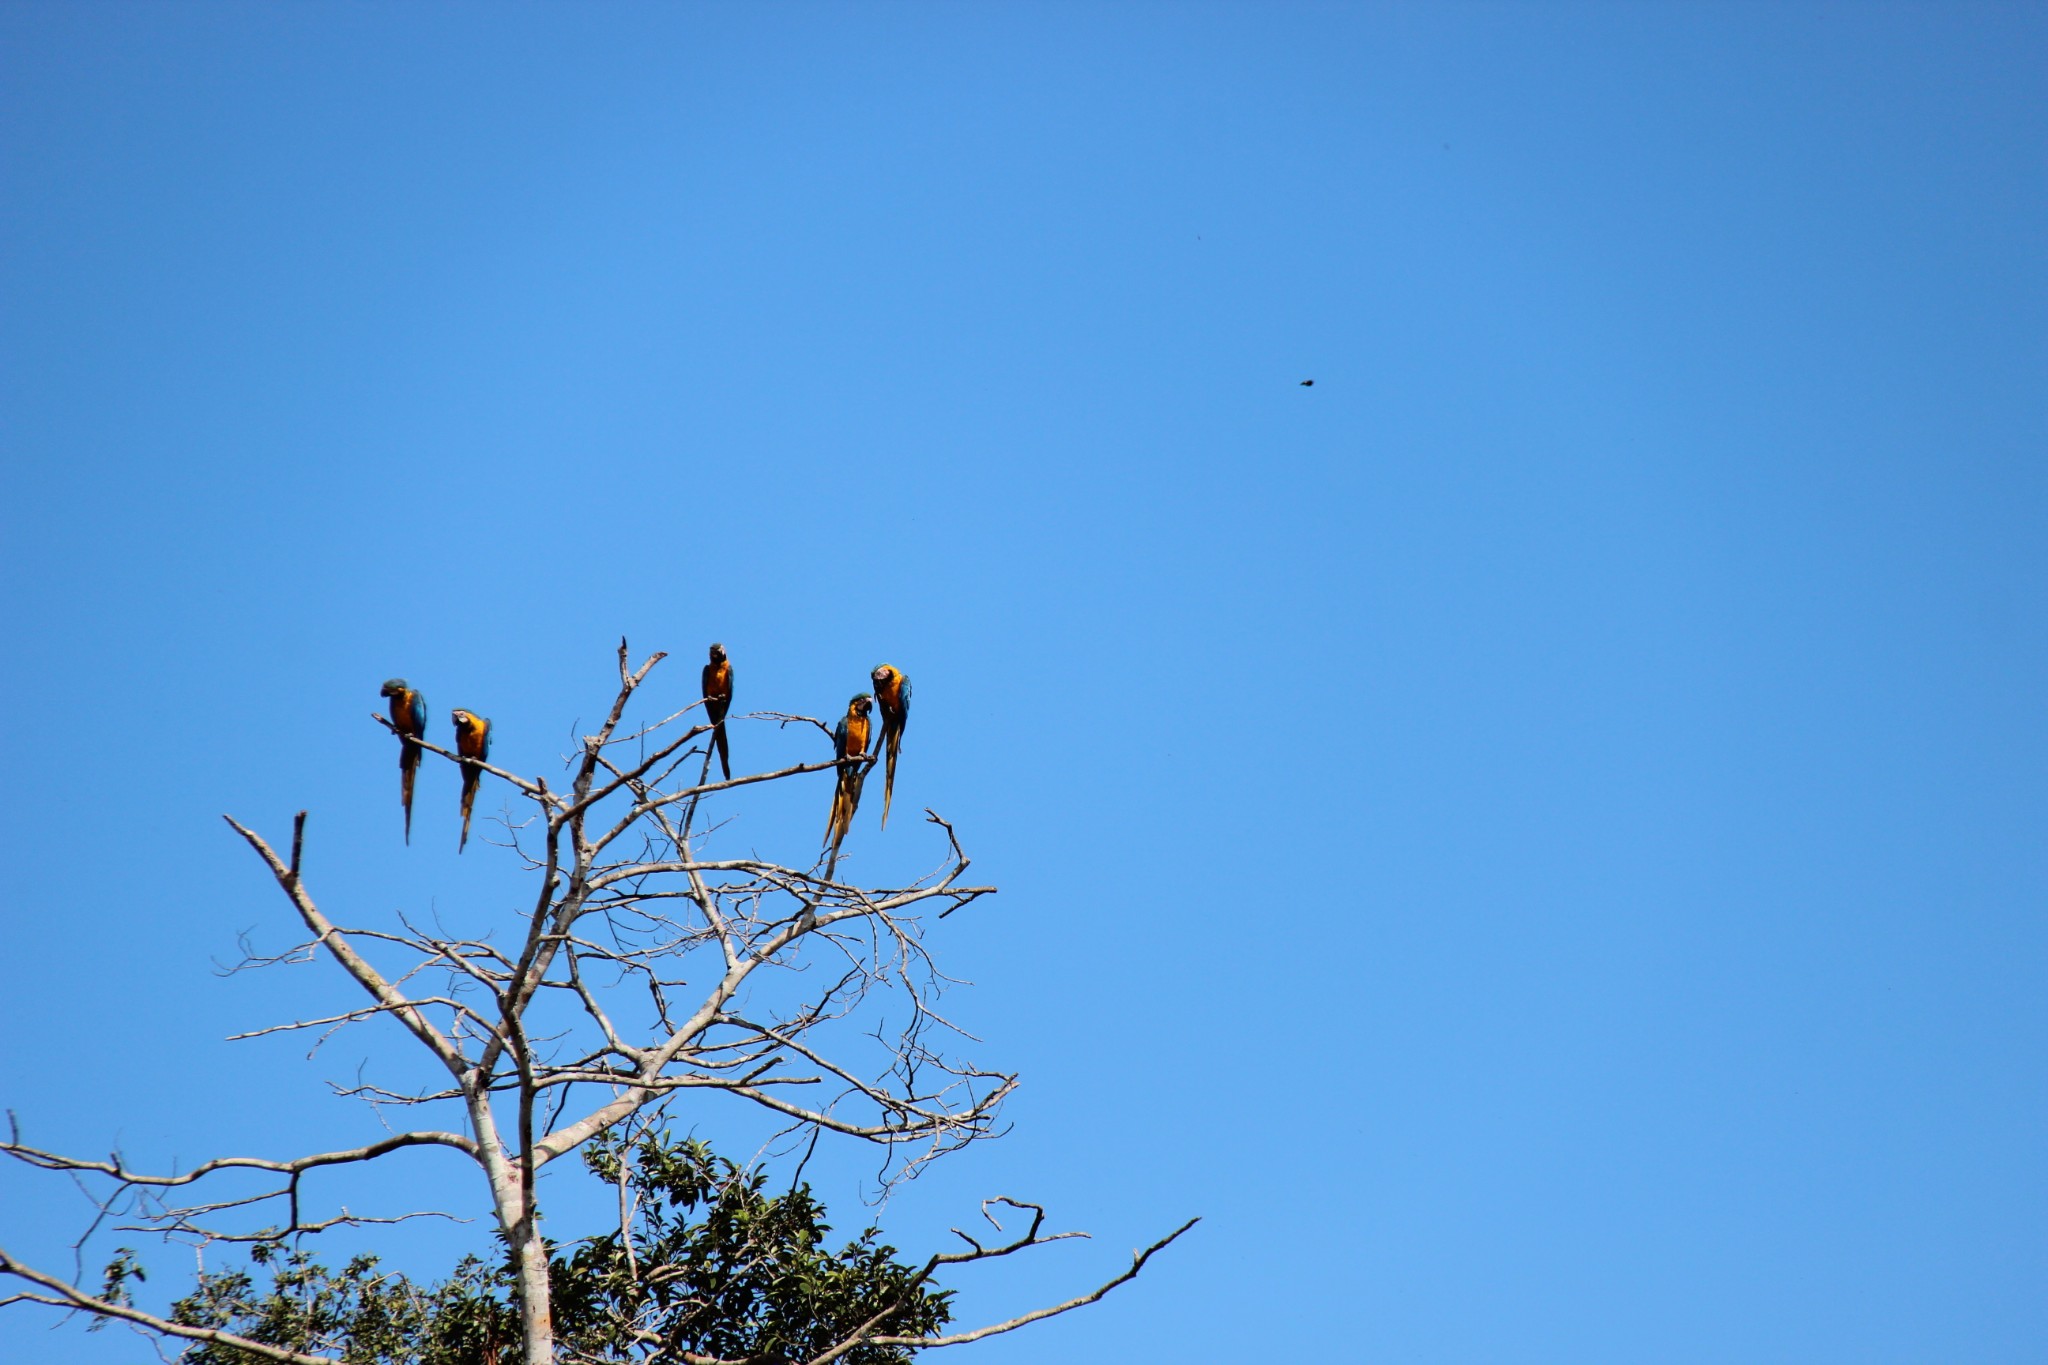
pixel 849 741
pixel 892 693
pixel 717 701
pixel 473 742
pixel 409 719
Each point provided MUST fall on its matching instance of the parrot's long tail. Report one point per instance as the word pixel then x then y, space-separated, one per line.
pixel 856 778
pixel 845 801
pixel 408 768
pixel 470 778
pixel 724 758
pixel 889 778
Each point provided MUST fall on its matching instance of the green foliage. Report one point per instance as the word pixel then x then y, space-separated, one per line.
pixel 358 1314
pixel 123 1268
pixel 747 1274
pixel 712 1264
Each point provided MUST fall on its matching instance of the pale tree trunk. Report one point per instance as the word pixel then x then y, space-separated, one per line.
pixel 513 1195
pixel 536 1316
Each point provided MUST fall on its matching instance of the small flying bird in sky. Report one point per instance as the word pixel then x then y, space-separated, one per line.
pixel 717 701
pixel 849 741
pixel 892 693
pixel 473 742
pixel 1308 383
pixel 409 718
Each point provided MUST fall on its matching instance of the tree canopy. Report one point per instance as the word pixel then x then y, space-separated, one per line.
pixel 710 1265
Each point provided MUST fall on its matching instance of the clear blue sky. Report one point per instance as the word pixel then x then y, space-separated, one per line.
pixel 1538 837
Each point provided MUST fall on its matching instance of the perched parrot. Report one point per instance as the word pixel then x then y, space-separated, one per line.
pixel 717 701
pixel 892 691
pixel 473 742
pixel 409 718
pixel 849 740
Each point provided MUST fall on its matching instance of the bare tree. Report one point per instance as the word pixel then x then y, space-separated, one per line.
pixel 582 1029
